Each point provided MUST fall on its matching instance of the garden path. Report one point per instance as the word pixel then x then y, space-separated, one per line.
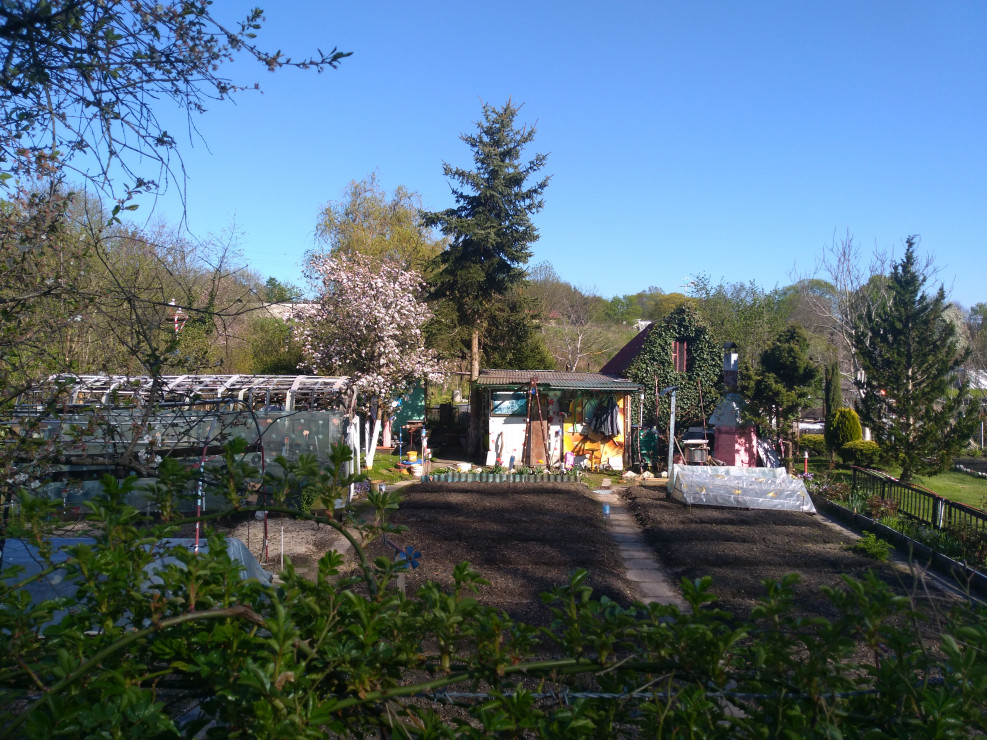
pixel 642 569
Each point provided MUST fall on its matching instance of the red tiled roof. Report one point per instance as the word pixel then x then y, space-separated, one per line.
pixel 619 363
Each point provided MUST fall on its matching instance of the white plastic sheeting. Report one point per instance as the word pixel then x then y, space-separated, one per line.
pixel 742 488
pixel 57 585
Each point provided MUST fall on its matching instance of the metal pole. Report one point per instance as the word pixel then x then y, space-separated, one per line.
pixel 640 431
pixel 671 442
pixel 671 432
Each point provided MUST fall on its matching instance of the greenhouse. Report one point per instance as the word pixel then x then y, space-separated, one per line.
pixel 96 421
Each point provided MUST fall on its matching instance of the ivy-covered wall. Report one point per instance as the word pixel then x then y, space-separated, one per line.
pixel 700 386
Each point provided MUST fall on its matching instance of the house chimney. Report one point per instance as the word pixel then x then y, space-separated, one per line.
pixel 730 360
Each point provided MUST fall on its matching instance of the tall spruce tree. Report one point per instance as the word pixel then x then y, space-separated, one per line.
pixel 490 228
pixel 782 385
pixel 908 350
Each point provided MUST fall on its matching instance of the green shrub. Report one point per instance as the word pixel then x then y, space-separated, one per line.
pixel 879 508
pixel 873 547
pixel 814 444
pixel 843 428
pixel 308 658
pixel 864 453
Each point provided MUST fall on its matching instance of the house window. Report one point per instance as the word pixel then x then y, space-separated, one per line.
pixel 680 355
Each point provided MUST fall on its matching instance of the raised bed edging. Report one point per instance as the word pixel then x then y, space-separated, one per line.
pixel 500 478
pixel 963 575
pixel 970 472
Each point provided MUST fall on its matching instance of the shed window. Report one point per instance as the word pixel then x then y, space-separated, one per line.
pixel 680 355
pixel 509 403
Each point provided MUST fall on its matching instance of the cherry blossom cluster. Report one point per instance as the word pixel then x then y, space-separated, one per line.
pixel 367 324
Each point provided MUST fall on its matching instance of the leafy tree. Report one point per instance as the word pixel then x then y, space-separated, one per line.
pixel 743 313
pixel 82 78
pixel 782 385
pixel 622 310
pixel 654 369
pixel 514 339
pixel 976 325
pixel 367 221
pixel 277 292
pixel 908 350
pixel 367 325
pixel 571 321
pixel 662 304
pixel 41 290
pixel 271 348
pixel 490 228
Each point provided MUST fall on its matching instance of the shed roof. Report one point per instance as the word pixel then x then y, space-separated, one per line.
pixel 556 379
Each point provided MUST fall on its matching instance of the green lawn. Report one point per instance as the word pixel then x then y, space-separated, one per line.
pixel 959 487
pixel 385 469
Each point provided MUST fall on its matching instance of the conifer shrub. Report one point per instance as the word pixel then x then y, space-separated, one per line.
pixel 844 427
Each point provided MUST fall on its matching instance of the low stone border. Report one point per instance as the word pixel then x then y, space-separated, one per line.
pixel 964 469
pixel 965 577
pixel 500 478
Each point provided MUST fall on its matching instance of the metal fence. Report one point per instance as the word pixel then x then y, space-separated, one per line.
pixel 918 503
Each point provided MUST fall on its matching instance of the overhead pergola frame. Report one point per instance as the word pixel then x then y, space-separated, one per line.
pixel 253 392
pixel 108 418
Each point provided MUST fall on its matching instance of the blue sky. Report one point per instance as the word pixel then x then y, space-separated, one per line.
pixel 735 139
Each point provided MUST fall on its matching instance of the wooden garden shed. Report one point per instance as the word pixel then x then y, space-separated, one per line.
pixel 537 416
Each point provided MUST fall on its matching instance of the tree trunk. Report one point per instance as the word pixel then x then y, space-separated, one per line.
pixel 474 433
pixel 475 354
pixel 353 438
pixel 372 442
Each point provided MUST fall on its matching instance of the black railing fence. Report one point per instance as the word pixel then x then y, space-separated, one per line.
pixel 918 503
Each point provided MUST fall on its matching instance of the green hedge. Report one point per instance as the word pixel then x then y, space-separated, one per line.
pixel 814 444
pixel 864 453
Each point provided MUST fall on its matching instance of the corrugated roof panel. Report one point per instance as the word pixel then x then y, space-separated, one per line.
pixel 555 379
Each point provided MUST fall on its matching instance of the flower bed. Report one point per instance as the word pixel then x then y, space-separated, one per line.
pixel 919 551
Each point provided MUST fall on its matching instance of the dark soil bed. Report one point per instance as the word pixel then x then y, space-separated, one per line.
pixel 524 539
pixel 739 549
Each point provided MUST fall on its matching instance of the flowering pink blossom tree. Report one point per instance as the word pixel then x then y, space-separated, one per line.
pixel 366 324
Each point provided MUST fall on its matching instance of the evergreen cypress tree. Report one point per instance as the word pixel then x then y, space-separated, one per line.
pixel 490 228
pixel 832 400
pixel 908 350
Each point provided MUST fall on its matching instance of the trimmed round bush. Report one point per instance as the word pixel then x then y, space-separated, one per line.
pixel 843 428
pixel 863 453
pixel 814 444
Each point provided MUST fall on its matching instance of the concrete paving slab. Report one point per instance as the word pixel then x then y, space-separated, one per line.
pixel 642 568
pixel 632 563
pixel 625 529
